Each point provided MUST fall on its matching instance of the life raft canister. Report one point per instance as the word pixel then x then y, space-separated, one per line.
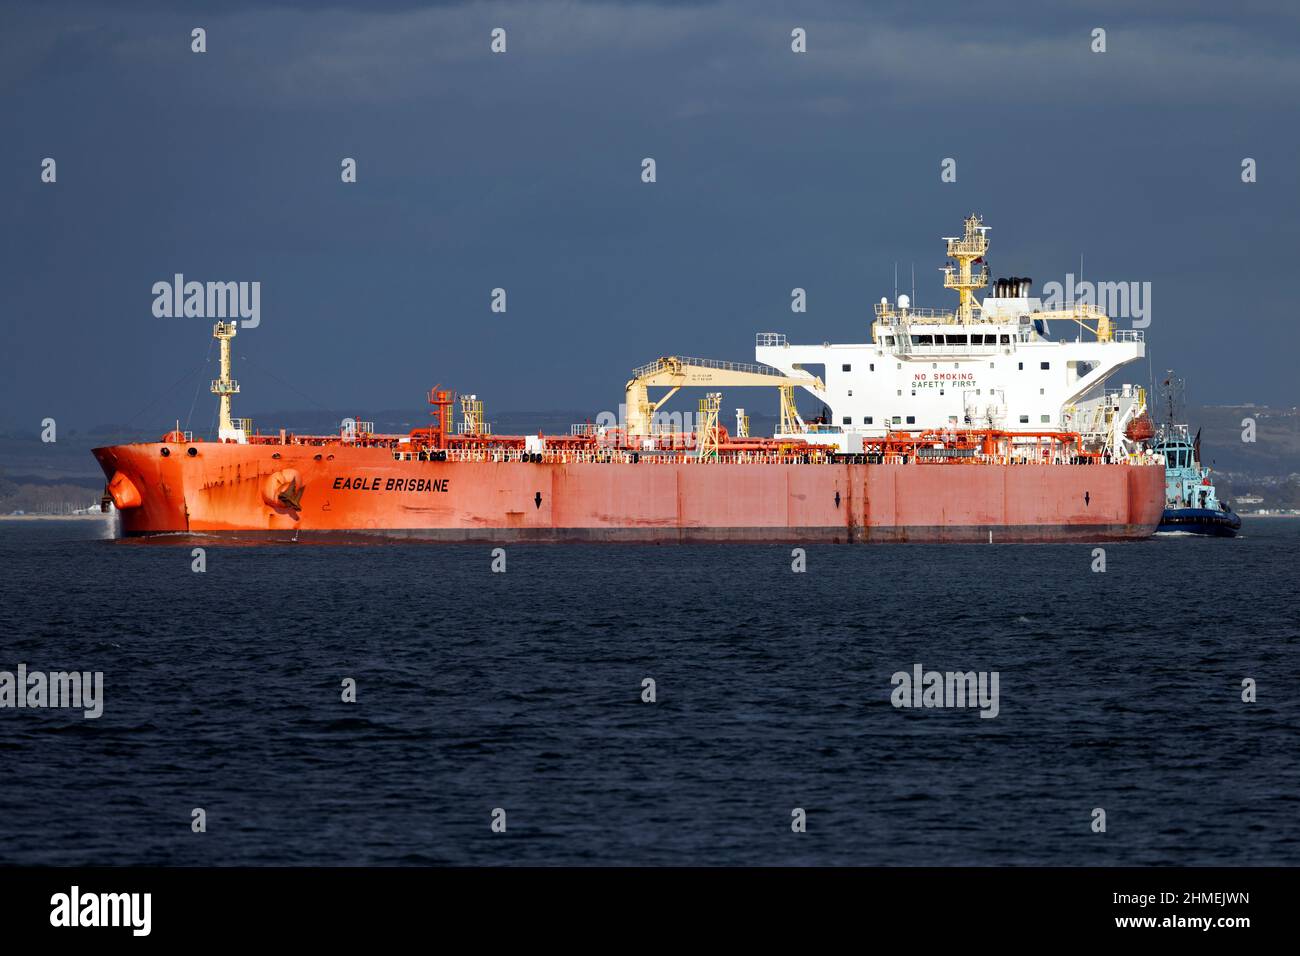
pixel 123 492
pixel 282 489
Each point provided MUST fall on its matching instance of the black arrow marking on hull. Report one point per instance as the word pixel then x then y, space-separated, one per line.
pixel 538 500
pixel 1087 499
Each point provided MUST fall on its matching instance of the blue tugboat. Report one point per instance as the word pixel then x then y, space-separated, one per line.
pixel 1191 505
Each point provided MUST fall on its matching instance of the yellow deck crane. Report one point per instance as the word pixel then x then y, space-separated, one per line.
pixel 676 372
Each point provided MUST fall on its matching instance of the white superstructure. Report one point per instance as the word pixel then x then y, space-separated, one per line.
pixel 991 365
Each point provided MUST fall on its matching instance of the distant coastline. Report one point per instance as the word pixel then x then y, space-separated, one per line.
pixel 93 516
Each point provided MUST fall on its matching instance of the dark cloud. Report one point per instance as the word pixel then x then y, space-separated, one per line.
pixel 521 171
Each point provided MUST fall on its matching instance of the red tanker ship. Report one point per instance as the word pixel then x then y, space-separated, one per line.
pixel 601 485
pixel 635 480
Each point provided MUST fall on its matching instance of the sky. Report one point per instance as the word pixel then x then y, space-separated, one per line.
pixel 522 171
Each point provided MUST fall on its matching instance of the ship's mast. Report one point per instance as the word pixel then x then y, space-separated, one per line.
pixel 967 250
pixel 706 441
pixel 225 386
pixel 1172 392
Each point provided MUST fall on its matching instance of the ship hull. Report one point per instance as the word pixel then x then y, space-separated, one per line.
pixel 1206 521
pixel 355 490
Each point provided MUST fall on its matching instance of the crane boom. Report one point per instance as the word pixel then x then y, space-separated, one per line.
pixel 675 372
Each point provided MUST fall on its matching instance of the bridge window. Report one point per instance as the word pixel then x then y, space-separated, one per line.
pixel 1044 365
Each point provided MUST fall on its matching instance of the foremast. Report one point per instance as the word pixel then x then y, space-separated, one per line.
pixel 228 428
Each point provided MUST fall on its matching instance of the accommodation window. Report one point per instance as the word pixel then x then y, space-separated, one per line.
pixel 1006 340
pixel 897 420
pixel 1046 419
pixel 911 419
pixel 846 368
pixel 1020 366
pixel 866 420
pixel 1044 365
pixel 850 393
pixel 872 366
pixel 1024 419
pixel 848 420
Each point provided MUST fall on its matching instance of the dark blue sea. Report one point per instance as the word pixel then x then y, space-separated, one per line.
pixel 522 691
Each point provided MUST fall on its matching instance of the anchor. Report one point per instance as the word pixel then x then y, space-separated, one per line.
pixel 291 497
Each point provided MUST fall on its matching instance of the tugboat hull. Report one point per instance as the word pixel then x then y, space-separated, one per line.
pixel 1207 521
